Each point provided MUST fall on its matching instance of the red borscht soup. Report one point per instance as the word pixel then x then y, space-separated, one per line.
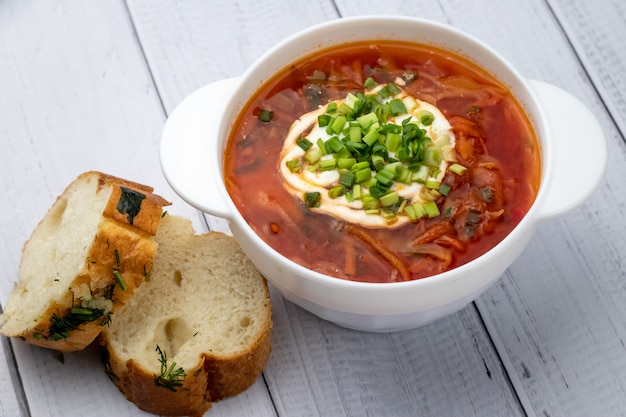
pixel 470 194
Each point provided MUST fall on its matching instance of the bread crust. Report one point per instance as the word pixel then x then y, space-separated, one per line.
pixel 138 386
pixel 216 376
pixel 148 218
pixel 118 246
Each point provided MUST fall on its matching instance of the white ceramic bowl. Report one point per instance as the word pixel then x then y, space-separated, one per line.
pixel 195 135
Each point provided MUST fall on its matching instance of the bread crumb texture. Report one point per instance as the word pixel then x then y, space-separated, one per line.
pixel 197 331
pixel 77 260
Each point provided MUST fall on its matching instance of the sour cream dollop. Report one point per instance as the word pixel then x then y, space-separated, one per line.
pixel 415 183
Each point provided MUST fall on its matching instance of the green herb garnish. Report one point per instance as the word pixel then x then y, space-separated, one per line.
pixel 378 138
pixel 130 203
pixel 120 279
pixel 312 199
pixel 170 377
pixel 265 115
pixel 61 326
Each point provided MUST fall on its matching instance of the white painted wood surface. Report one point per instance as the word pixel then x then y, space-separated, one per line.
pixel 88 85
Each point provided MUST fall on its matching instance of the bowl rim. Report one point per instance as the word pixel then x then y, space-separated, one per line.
pixel 525 226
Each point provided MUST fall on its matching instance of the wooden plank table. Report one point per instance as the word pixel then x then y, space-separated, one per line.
pixel 88 86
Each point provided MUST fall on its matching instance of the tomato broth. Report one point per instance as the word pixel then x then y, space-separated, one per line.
pixel 494 141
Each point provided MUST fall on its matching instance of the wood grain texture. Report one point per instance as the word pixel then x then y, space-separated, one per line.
pixel 557 316
pixel 80 97
pixel 188 44
pixel 595 30
pixel 446 368
pixel 87 85
pixel 12 399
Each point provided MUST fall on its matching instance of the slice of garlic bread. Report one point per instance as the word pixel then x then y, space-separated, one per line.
pixel 83 261
pixel 197 331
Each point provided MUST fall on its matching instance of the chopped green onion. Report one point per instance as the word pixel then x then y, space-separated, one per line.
pixel 388 214
pixel 389 199
pixel 432 157
pixel 409 104
pixel 344 152
pixel 335 192
pixel 444 189
pixel 356 147
pixel 432 184
pixel 355 133
pixel 379 149
pixel 403 204
pixel 346 163
pixel 323 120
pixel 403 175
pixel 431 209
pixel 396 107
pixel 328 164
pixel 371 152
pixel 426 117
pixel 294 165
pixel 393 89
pixel 369 83
pixel 429 194
pixel 457 168
pixel 404 154
pixel 367 120
pixel 393 167
pixel 384 93
pixel 337 124
pixel 421 175
pixel 351 100
pixel 334 144
pixel 345 109
pixel 370 203
pixel 322 146
pixel 371 137
pixel 346 178
pixel 378 191
pixel 420 210
pixel 313 155
pixel 410 211
pixel 304 143
pixel 312 199
pixel 360 165
pixel 369 182
pixel 362 175
pixel 384 177
pixel 378 162
pixel 393 141
pixel 265 115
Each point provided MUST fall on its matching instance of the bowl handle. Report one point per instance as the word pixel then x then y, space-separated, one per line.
pixel 579 148
pixel 189 138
